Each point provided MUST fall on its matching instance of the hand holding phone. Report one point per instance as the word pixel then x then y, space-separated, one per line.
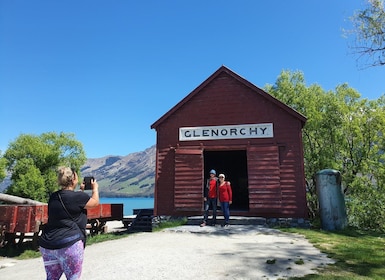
pixel 88 182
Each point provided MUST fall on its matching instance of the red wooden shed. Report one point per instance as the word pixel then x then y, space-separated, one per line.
pixel 230 125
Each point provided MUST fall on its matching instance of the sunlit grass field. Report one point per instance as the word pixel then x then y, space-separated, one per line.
pixel 358 254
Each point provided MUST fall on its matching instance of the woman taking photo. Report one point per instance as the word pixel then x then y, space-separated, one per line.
pixel 63 238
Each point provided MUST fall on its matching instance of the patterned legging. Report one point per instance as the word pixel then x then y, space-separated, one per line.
pixel 68 260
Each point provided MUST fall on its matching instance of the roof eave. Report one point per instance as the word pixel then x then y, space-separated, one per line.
pixel 221 69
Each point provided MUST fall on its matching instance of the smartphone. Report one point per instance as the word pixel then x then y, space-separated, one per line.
pixel 87 183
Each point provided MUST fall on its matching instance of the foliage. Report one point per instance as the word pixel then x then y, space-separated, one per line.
pixel 342 132
pixel 366 205
pixel 359 254
pixel 3 163
pixel 369 31
pixel 32 160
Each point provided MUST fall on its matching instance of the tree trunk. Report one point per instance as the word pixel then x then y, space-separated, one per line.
pixel 19 200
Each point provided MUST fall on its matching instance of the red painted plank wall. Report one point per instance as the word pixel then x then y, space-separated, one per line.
pixel 275 165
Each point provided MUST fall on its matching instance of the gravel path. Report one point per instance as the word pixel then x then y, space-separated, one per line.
pixel 190 252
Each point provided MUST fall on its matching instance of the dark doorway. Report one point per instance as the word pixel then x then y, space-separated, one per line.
pixel 234 165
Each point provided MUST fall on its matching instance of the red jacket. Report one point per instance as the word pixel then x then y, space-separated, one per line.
pixel 225 192
pixel 211 188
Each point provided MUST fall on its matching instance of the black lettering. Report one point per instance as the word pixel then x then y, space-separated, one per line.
pixel 196 134
pixel 253 130
pixel 242 131
pixel 187 133
pixel 205 132
pixel 233 131
pixel 263 130
pixel 214 132
pixel 224 132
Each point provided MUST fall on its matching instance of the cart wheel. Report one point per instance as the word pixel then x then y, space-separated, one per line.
pixel 95 224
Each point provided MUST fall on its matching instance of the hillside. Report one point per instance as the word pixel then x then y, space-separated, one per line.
pixel 119 176
pixel 129 176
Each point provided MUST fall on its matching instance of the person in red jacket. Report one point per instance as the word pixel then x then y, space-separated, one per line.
pixel 210 197
pixel 225 198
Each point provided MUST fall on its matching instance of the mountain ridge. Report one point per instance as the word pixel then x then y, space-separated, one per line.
pixel 132 175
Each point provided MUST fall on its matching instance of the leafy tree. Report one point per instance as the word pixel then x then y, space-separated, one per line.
pixel 369 31
pixel 32 160
pixel 343 132
pixel 3 163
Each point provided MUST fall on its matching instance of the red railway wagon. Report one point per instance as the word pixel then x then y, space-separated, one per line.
pixel 17 220
pixel 98 216
pixel 20 222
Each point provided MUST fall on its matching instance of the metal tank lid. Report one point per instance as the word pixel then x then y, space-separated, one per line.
pixel 328 172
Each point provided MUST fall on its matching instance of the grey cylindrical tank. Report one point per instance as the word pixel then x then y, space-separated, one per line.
pixel 331 199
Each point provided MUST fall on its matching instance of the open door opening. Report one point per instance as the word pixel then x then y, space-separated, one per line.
pixel 234 165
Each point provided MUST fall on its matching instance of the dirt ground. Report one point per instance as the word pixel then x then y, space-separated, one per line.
pixel 190 252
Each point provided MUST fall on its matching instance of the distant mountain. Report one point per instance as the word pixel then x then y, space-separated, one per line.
pixel 127 176
pixel 119 176
pixel 5 183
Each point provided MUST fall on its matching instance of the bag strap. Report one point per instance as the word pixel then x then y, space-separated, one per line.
pixel 68 213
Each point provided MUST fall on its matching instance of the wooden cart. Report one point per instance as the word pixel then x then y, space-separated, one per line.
pixel 98 216
pixel 21 222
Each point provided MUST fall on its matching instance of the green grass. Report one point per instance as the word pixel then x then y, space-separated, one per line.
pixel 170 224
pixel 358 254
pixel 105 237
pixel 130 187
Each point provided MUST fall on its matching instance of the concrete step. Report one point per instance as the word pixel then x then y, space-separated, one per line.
pixel 259 221
pixel 235 220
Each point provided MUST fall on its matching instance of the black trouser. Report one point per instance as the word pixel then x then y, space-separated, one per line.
pixel 213 203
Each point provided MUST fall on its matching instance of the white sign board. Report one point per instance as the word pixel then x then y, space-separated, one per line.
pixel 264 130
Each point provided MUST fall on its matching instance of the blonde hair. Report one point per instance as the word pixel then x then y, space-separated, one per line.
pixel 65 175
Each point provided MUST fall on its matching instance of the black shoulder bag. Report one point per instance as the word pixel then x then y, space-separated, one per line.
pixel 68 213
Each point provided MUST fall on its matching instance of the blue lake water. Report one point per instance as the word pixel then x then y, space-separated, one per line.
pixel 129 203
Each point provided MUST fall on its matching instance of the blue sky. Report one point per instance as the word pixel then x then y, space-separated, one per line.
pixel 107 70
